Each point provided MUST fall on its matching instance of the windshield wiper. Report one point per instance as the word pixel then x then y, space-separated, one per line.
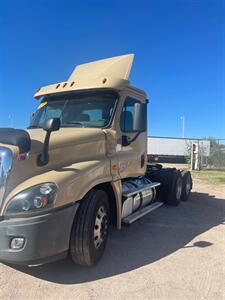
pixel 34 127
pixel 73 123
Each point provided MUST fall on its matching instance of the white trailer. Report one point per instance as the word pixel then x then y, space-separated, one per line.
pixel 162 148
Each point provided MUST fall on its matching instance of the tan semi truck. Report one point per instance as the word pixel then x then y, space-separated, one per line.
pixel 80 167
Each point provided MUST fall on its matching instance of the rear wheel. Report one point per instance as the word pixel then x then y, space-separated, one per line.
pixel 170 190
pixel 90 229
pixel 173 190
pixel 186 186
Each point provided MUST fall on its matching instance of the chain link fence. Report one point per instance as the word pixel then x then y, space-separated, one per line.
pixel 211 159
pixel 216 158
pixel 196 154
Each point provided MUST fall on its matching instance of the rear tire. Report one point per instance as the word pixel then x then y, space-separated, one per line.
pixel 172 191
pixel 170 179
pixel 186 186
pixel 90 229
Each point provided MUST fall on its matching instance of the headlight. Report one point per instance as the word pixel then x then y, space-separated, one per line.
pixel 32 200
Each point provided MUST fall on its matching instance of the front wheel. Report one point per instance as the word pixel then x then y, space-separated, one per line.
pixel 90 229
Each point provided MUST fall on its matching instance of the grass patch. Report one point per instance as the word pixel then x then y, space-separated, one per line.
pixel 210 176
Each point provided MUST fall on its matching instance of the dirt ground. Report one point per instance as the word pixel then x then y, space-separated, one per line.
pixel 173 253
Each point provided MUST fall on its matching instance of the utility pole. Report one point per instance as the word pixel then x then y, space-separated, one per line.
pixel 11 121
pixel 183 125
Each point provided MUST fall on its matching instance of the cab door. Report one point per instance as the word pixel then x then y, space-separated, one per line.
pixel 132 153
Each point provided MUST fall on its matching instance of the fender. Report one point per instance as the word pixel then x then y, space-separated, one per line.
pixel 117 189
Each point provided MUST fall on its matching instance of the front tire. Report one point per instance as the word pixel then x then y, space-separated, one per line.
pixel 90 229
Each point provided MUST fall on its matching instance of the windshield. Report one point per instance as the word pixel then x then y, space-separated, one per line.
pixel 76 110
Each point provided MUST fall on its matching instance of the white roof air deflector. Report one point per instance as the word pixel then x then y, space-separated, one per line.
pixel 117 67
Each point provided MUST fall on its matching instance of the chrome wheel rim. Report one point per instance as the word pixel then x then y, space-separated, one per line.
pixel 188 185
pixel 179 189
pixel 101 227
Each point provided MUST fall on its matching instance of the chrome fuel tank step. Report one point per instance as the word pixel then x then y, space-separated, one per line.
pixel 136 194
pixel 141 212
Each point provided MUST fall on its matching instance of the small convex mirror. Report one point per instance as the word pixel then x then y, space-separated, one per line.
pixel 52 124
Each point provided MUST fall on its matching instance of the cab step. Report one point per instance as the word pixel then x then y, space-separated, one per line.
pixel 141 213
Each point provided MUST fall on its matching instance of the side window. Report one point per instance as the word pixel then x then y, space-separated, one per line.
pixel 127 115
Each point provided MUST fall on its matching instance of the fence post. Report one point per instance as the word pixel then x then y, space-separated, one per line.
pixel 195 156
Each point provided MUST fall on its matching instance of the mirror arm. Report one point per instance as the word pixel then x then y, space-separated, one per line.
pixel 43 158
pixel 52 124
pixel 128 142
pixel 135 137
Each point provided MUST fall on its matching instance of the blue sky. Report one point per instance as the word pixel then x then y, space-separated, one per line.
pixel 179 47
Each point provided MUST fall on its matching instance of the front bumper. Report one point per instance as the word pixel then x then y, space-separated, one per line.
pixel 46 237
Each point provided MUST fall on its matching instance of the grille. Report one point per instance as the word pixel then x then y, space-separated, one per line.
pixel 6 160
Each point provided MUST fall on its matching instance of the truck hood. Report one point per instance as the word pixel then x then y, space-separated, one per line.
pixel 67 146
pixel 63 138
